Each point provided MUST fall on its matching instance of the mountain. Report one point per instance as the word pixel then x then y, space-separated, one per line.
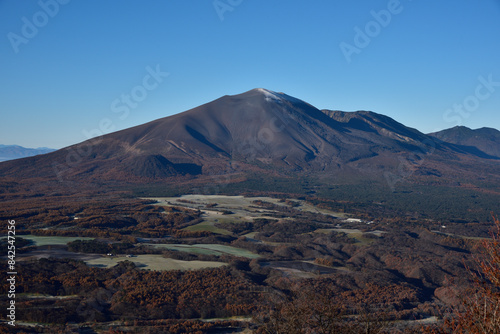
pixel 11 152
pixel 263 132
pixel 486 140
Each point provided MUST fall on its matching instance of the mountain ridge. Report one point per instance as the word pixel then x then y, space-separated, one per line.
pixel 258 131
pixel 11 152
pixel 486 140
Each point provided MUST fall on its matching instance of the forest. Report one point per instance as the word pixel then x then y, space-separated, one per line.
pixel 388 273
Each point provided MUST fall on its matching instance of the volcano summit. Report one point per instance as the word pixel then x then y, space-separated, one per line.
pixel 260 131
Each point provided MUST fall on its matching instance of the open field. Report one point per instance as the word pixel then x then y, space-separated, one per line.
pixel 56 252
pixel 149 261
pixel 208 249
pixel 235 203
pixel 231 209
pixel 208 225
pixel 311 208
pixel 218 209
pixel 51 240
pixel 352 233
pixel 45 296
pixel 300 266
pixel 154 262
pixel 460 236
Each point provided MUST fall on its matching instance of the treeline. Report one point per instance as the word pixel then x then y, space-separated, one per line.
pixel 126 293
pixel 165 326
pixel 307 310
pixel 90 217
pixel 98 247
pixel 441 202
pixel 88 233
pixel 271 226
pixel 437 201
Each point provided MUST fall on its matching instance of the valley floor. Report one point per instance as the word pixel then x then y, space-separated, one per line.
pixel 202 262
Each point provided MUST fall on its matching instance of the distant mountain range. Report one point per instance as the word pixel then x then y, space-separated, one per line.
pixel 486 140
pixel 274 134
pixel 11 152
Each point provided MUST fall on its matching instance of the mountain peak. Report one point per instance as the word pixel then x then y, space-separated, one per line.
pixel 270 95
pixel 278 97
pixel 485 139
pixel 273 96
pixel 259 131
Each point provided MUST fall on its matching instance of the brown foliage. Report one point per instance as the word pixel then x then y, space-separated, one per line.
pixel 76 293
pixel 480 309
pixel 310 311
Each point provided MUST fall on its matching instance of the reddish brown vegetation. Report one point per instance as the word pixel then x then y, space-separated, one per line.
pixel 126 293
pixel 480 309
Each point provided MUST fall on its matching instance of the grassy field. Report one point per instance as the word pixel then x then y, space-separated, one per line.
pixel 238 204
pixel 52 240
pixel 209 249
pixel 208 225
pixel 154 262
pixel 235 208
pixel 251 235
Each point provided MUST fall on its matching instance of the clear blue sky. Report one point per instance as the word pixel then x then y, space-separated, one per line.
pixel 68 76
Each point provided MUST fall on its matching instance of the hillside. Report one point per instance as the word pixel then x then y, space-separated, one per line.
pixel 263 132
pixel 485 140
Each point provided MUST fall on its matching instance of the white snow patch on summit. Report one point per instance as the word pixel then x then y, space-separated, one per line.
pixel 280 97
pixel 270 95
